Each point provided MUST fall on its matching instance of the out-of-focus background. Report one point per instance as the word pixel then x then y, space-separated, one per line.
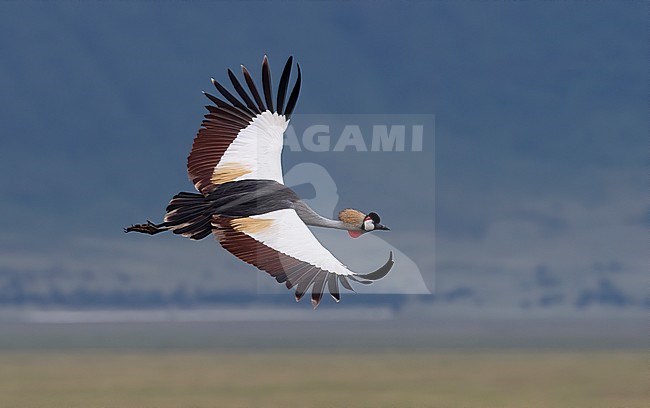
pixel 536 252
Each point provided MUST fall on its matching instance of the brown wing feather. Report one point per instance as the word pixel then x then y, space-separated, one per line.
pixel 284 268
pixel 218 130
pixel 224 121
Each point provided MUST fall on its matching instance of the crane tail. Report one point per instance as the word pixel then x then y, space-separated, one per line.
pixel 189 215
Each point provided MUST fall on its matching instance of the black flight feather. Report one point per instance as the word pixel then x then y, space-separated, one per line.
pixel 293 98
pixel 213 98
pixel 345 282
pixel 266 84
pixel 225 107
pixel 293 276
pixel 317 290
pixel 284 83
pixel 240 90
pixel 253 89
pixel 381 272
pixel 223 91
pixel 333 286
pixel 305 282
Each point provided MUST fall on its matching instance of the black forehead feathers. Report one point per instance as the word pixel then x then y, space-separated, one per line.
pixel 374 217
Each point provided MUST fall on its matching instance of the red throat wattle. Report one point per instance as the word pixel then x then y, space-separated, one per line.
pixel 355 234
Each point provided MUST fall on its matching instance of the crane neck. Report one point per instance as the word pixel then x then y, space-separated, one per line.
pixel 311 217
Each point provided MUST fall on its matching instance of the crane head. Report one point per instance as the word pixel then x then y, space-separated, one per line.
pixel 360 223
pixel 372 222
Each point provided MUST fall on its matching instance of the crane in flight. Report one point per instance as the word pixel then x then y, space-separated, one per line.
pixel 235 165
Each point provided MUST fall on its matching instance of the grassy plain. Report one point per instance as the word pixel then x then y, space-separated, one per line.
pixel 282 378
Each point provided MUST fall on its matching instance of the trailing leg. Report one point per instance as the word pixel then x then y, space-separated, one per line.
pixel 188 214
pixel 148 228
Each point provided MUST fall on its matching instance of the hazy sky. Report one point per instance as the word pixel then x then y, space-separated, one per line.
pixel 540 139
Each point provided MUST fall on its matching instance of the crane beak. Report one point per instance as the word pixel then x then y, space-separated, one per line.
pixel 381 227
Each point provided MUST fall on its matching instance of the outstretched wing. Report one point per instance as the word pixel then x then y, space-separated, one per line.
pixel 242 138
pixel 280 244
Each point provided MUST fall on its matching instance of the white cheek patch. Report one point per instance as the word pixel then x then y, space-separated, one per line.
pixel 368 225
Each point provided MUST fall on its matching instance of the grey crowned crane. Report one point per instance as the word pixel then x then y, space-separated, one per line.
pixel 235 164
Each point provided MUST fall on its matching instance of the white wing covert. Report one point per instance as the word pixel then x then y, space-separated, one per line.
pixel 242 139
pixel 279 243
